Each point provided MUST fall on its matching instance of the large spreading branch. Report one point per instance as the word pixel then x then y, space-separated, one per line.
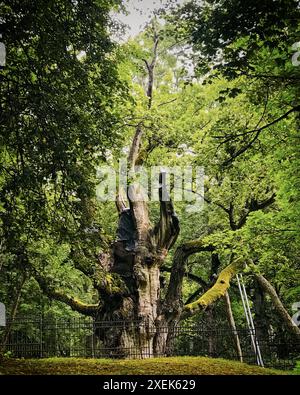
pixel 251 206
pixel 217 291
pixel 75 304
pixel 194 295
pixel 172 305
pixel 178 270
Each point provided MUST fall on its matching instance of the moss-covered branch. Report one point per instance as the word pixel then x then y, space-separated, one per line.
pixel 217 291
pixel 75 304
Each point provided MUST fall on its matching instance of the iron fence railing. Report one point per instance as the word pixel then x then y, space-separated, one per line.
pixel 84 337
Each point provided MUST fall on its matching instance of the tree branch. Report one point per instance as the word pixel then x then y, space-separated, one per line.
pixel 251 206
pixel 151 67
pixel 120 202
pixel 217 291
pixel 146 63
pixel 270 290
pixel 135 146
pixel 167 102
pixel 257 133
pixel 189 276
pixel 172 305
pixel 75 304
pixel 194 296
pixel 167 230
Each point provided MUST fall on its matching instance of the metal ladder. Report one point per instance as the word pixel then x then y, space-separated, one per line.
pixel 249 319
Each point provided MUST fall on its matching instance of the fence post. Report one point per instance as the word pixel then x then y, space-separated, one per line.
pixel 93 338
pixel 56 348
pixel 41 336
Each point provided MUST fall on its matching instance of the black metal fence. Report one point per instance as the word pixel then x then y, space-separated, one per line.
pixel 85 337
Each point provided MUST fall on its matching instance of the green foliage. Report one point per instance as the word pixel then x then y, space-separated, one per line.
pixel 236 36
pixel 60 98
pixel 250 146
pixel 62 120
pixel 297 368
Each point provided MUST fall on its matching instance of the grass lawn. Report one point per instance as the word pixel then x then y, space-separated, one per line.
pixel 155 366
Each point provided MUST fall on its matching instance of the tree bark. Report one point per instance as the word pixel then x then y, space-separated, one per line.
pixel 217 291
pixel 286 318
pixel 212 347
pixel 231 322
pixel 260 314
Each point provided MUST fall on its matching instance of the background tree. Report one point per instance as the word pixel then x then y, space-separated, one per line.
pixel 59 91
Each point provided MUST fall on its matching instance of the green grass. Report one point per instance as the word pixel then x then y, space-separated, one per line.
pixel 297 368
pixel 155 366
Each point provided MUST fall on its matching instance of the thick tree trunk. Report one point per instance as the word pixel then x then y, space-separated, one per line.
pixel 137 257
pixel 140 272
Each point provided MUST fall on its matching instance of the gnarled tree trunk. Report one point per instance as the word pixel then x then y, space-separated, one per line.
pixel 137 261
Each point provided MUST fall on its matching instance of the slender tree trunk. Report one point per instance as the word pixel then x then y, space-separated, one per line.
pixel 286 318
pixel 210 336
pixel 231 322
pixel 260 314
